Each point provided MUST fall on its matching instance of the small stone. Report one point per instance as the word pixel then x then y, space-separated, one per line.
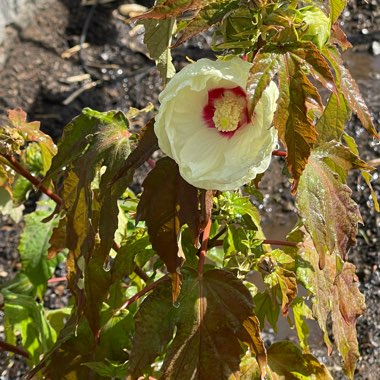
pixel 375 48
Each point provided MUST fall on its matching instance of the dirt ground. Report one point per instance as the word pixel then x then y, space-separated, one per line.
pixel 38 78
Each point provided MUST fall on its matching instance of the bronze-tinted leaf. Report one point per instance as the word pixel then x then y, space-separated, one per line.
pixel 295 127
pixel 287 362
pixel 167 203
pixel 324 201
pixel 335 290
pixel 211 13
pixel 214 312
pixel 164 9
pixel 350 90
pixel 347 306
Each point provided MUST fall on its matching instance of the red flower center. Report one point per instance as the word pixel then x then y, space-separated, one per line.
pixel 226 110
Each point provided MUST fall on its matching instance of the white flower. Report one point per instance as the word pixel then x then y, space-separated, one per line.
pixel 203 125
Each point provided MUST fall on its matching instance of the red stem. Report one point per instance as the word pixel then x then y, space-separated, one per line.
pixel 133 299
pixel 4 346
pixel 203 250
pixel 217 243
pixel 58 200
pixel 280 153
pixel 56 279
pixel 35 181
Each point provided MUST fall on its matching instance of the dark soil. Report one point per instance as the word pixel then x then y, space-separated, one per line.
pixel 36 78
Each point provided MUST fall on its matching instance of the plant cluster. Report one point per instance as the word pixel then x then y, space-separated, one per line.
pixel 162 283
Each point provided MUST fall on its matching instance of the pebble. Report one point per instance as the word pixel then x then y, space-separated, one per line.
pixel 375 48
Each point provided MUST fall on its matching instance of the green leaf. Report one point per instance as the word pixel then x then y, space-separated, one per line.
pixel 92 141
pixel 287 362
pixel 301 312
pixel 213 313
pixel 350 90
pixel 211 13
pixel 109 369
pixel 76 346
pixel 168 203
pixel 331 124
pixel 324 201
pixel 33 249
pixel 264 68
pixel 267 307
pixel 24 315
pixel 157 37
pixel 336 8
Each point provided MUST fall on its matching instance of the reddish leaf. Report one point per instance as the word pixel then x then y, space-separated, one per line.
pixel 167 203
pixel 324 201
pixel 295 127
pixel 348 304
pixel 210 14
pixel 214 312
pixel 336 292
pixel 350 90
pixel 339 37
pixel 172 8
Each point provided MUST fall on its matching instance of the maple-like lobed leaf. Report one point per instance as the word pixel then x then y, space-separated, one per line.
pixel 291 119
pixel 350 90
pixel 336 293
pixel 324 201
pixel 210 14
pixel 287 362
pixel 348 305
pixel 167 203
pixel 330 125
pixel 213 313
pixel 164 9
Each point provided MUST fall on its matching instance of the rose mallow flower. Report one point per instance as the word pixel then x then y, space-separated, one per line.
pixel 204 125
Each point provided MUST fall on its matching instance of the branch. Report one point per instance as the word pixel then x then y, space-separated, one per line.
pixel 58 200
pixel 284 243
pixel 31 178
pixel 280 153
pixel 4 346
pixel 133 299
pixel 138 270
pixel 203 250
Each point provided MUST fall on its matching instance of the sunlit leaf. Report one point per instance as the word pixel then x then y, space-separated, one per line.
pixel 33 249
pixel 336 8
pixel 267 307
pixel 324 201
pixel 335 290
pixel 350 90
pixel 302 312
pixel 24 315
pixel 211 13
pixel 213 313
pixel 332 122
pixel 164 9
pixel 287 362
